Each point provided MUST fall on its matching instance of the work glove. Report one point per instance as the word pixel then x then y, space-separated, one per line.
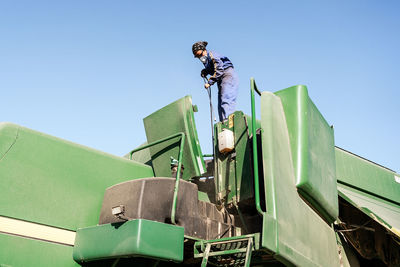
pixel 203 73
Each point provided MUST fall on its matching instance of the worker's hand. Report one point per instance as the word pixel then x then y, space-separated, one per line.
pixel 203 73
pixel 206 85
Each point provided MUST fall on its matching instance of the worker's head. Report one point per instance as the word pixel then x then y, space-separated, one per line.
pixel 199 49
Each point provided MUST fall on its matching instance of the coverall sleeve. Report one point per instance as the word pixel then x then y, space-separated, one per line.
pixel 218 70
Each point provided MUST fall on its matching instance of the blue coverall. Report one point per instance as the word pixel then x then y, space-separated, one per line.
pixel 221 70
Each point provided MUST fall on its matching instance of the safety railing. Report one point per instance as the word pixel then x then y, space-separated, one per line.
pixel 253 87
pixel 178 174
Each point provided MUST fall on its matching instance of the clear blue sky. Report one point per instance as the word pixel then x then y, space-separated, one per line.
pixel 89 71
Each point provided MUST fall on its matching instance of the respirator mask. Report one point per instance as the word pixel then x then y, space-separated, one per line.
pixel 203 59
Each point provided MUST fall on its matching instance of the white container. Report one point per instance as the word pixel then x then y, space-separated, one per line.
pixel 226 141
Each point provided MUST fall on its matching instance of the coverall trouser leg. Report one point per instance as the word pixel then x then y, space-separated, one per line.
pixel 227 93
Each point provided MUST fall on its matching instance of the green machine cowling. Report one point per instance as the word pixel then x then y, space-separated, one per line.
pixel 55 182
pixel 141 238
pixel 17 251
pixel 290 227
pixel 372 188
pixel 174 118
pixel 313 151
pixel 367 175
pixel 234 173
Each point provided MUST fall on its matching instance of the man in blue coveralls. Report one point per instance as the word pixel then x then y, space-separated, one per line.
pixel 221 70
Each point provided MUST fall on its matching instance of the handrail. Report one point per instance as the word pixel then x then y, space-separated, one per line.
pixel 154 143
pixel 253 87
pixel 178 174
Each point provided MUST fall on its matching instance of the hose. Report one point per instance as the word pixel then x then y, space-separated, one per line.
pixel 211 114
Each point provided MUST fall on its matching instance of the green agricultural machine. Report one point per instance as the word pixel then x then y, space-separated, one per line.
pixel 274 192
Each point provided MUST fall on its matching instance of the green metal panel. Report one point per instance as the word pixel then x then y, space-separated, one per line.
pixel 55 182
pixel 135 238
pixel 242 126
pixel 291 228
pixel 142 155
pixel 225 171
pixel 312 145
pixel 173 118
pixel 235 180
pixel 366 175
pixel 384 212
pixel 21 252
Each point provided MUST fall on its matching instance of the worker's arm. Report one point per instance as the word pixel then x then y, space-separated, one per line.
pixel 218 69
pixel 203 73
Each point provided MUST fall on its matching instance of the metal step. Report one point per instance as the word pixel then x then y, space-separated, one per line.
pixel 232 251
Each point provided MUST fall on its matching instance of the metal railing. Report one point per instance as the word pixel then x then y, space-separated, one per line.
pixel 253 87
pixel 178 174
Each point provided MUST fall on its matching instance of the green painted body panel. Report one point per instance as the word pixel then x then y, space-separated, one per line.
pixel 291 229
pixel 142 156
pixel 135 238
pixel 234 172
pixel 244 180
pixel 366 175
pixel 312 146
pixel 171 119
pixel 22 252
pixel 384 212
pixel 203 196
pixel 55 182
pixel 370 187
pixel 225 173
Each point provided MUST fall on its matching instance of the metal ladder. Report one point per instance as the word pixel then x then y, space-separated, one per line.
pixel 232 251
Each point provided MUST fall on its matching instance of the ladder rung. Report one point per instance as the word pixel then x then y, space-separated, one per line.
pixel 222 252
pixel 240 248
pixel 227 241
